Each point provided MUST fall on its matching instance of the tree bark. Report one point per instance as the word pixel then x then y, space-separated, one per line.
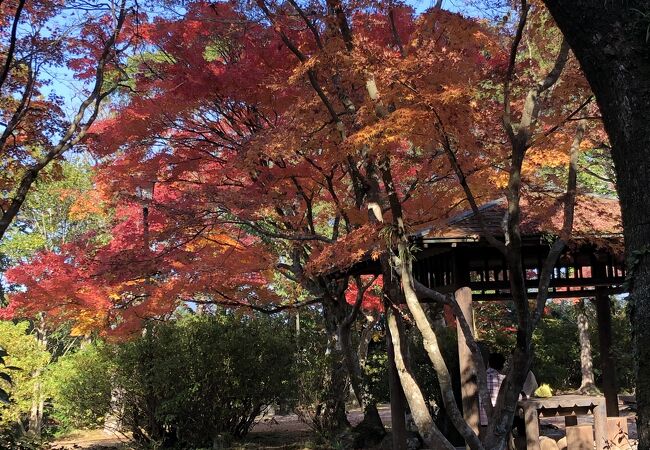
pixel 611 42
pixel 586 362
pixel 430 342
pixel 607 359
pixel 431 436
pixel 332 418
pixel 365 338
pixel 397 395
pixel 36 410
pixel 38 401
pixel 371 419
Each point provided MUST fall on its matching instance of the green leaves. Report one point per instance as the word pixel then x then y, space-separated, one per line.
pixel 203 376
pixel 4 396
pixel 22 361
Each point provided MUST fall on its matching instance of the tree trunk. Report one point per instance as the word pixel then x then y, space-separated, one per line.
pixel 365 338
pixel 397 396
pixel 331 418
pixel 610 40
pixel 38 401
pixel 430 343
pixel 371 420
pixel 36 410
pixel 586 363
pixel 114 420
pixel 431 436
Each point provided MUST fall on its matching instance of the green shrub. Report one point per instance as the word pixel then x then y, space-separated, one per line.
pixel 80 384
pixel 188 382
pixel 312 367
pixel 557 350
pixel 556 345
pixel 31 357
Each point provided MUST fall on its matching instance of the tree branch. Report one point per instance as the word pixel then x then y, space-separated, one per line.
pixel 567 226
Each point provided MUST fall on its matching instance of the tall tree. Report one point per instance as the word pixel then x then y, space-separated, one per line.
pixel 37 40
pixel 60 207
pixel 311 141
pixel 611 43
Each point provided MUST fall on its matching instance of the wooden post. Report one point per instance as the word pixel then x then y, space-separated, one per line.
pixel 600 426
pixel 531 420
pixel 397 410
pixel 604 317
pixel 468 380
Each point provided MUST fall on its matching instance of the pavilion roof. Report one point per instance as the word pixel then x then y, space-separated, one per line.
pixel 596 219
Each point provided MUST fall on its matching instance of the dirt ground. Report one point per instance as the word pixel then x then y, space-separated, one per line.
pixel 289 432
pixel 91 439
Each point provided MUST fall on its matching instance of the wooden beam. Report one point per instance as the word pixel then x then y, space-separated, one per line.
pixel 608 363
pixel 555 283
pixel 468 370
pixel 504 296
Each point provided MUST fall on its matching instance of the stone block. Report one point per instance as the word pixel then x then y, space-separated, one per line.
pixel 546 443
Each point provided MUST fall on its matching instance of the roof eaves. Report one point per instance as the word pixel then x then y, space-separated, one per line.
pixel 464 215
pixel 451 239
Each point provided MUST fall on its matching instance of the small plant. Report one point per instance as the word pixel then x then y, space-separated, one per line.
pixel 4 375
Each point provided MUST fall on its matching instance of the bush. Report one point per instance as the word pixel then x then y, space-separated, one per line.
pixel 556 344
pixel 557 349
pixel 312 368
pixel 31 357
pixel 187 382
pixel 80 384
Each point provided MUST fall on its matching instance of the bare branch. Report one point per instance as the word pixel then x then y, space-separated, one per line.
pixel 507 120
pixel 76 130
pixel 242 304
pixel 308 22
pixel 567 226
pixel 311 74
pixel 448 148
pixel 531 106
pixel 12 44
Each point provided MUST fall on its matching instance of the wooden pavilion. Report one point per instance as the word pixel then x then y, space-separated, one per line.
pixel 455 256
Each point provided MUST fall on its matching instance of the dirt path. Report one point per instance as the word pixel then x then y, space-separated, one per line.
pixel 281 432
pixel 91 439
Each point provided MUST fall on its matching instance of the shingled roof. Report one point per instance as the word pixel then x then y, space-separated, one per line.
pixel 594 216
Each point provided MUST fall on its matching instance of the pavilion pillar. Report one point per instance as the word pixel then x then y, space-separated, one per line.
pixel 468 370
pixel 397 409
pixel 608 365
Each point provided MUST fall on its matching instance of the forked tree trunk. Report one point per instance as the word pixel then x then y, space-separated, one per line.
pixel 427 428
pixel 371 419
pixel 432 437
pixel 371 423
pixel 610 39
pixel 431 346
pixel 587 385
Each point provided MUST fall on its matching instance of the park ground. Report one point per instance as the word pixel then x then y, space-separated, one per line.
pixel 289 432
